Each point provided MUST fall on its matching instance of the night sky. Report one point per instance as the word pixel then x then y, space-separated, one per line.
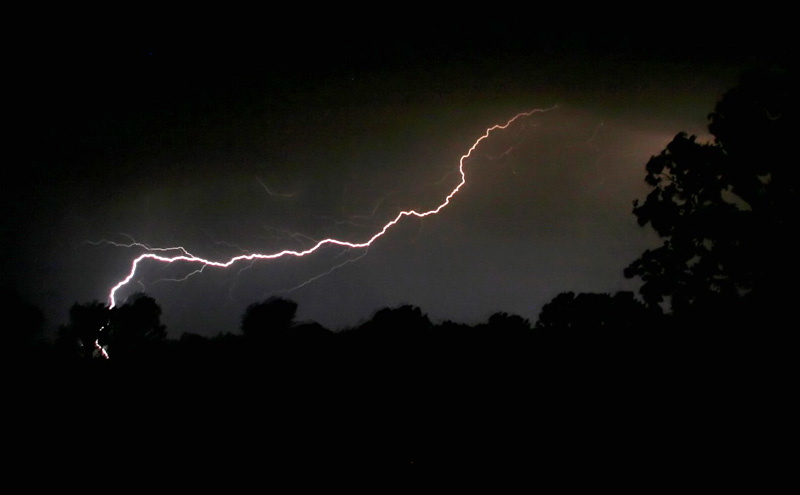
pixel 230 140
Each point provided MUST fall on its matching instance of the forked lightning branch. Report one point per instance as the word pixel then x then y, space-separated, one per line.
pixel 157 254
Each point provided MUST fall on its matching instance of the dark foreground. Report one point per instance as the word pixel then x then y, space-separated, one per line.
pixel 576 410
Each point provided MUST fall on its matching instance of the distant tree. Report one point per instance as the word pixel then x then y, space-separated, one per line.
pixel 311 333
pixel 594 312
pixel 726 210
pixel 503 340
pixel 78 337
pixel 395 342
pixel 397 323
pixel 136 326
pixel 506 323
pixel 125 331
pixel 269 319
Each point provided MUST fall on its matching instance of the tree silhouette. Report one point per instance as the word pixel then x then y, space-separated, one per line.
pixel 396 325
pixel 724 209
pixel 78 337
pixel 593 312
pixel 272 318
pixel 509 324
pixel 128 331
pixel 136 327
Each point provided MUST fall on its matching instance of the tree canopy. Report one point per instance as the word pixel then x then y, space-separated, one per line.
pixel 127 331
pixel 724 209
pixel 270 318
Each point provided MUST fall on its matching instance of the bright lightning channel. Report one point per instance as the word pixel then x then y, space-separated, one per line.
pixel 190 258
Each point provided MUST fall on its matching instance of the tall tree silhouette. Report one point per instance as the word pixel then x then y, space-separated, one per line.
pixel 725 209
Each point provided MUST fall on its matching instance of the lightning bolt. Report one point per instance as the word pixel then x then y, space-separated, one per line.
pixel 187 257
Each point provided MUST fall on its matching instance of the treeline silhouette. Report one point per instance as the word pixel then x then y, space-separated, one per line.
pixel 669 381
pixel 395 340
pixel 395 389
